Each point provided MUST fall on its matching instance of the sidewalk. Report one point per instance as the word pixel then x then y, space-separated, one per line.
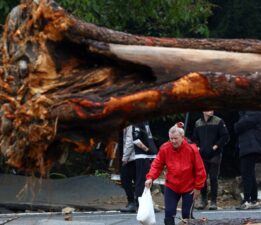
pixel 82 192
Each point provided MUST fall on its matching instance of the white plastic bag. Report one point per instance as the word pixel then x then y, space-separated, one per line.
pixel 146 214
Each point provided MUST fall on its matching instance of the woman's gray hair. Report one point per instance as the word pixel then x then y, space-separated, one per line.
pixel 176 129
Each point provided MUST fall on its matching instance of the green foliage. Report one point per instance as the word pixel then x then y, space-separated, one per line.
pixel 160 127
pixel 173 18
pixel 99 173
pixel 170 18
pixel 5 7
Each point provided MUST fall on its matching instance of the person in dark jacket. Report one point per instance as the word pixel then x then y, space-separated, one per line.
pixel 210 134
pixel 145 152
pixel 185 175
pixel 248 130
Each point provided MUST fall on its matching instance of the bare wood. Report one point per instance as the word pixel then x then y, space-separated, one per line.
pixel 168 61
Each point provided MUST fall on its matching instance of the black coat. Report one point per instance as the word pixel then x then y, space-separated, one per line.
pixel 248 130
pixel 209 133
pixel 142 132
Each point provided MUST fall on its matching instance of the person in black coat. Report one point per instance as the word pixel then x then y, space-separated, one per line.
pixel 210 134
pixel 248 130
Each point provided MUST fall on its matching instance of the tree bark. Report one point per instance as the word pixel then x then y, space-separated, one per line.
pixel 70 82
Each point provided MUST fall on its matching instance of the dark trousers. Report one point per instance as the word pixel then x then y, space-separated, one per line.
pixel 171 202
pixel 212 167
pixel 247 167
pixel 128 176
pixel 142 168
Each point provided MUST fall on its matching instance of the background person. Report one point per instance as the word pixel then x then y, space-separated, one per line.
pixel 248 130
pixel 128 170
pixel 210 134
pixel 145 152
pixel 185 174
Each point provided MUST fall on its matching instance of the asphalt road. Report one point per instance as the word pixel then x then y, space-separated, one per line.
pixel 113 218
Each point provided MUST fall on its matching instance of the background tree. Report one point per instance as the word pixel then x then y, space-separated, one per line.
pixel 170 18
pixel 156 17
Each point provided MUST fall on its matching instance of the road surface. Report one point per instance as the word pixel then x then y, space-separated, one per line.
pixel 113 217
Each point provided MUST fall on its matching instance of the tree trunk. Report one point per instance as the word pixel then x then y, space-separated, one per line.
pixel 66 81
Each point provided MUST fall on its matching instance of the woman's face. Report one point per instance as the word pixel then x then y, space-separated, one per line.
pixel 176 139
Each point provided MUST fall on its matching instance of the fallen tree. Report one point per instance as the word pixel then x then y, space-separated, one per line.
pixel 69 84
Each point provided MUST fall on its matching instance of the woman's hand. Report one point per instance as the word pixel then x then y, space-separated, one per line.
pixel 148 183
pixel 196 194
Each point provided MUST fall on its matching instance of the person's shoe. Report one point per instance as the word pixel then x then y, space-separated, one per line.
pixel 169 221
pixel 203 203
pixel 213 205
pixel 244 206
pixel 254 205
pixel 156 210
pixel 131 208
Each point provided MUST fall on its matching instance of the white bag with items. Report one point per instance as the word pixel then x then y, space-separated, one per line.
pixel 146 214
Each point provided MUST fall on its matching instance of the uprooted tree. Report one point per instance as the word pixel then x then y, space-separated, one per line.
pixel 69 84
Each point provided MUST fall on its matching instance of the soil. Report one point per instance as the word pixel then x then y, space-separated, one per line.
pixel 226 197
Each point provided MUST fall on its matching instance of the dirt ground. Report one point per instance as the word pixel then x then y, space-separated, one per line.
pixel 226 197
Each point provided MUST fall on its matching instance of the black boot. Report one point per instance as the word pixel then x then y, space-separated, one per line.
pixel 131 208
pixel 213 205
pixel 169 221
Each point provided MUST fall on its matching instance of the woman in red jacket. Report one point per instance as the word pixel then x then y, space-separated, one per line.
pixel 185 174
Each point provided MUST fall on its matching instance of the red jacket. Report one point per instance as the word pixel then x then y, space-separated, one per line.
pixel 185 168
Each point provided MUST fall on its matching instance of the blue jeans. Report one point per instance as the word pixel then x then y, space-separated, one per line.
pixel 171 202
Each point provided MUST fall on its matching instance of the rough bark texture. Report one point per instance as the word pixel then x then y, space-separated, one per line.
pixel 69 84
